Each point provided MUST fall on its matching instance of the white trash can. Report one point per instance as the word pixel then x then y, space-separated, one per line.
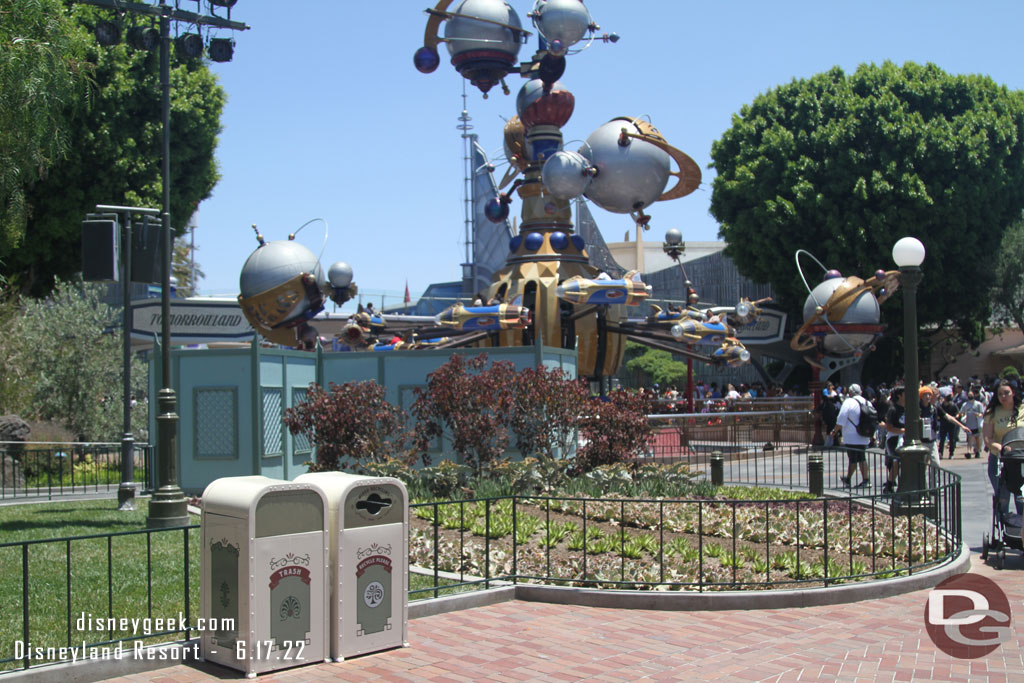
pixel 368 518
pixel 264 578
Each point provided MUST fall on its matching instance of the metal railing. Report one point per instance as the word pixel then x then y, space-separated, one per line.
pixel 678 438
pixel 667 406
pixel 613 542
pixel 690 544
pixel 108 590
pixel 37 469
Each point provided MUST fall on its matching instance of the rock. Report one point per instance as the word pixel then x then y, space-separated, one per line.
pixel 13 428
pixel 11 474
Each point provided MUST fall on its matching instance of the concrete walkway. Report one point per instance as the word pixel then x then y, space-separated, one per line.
pixel 873 640
pixel 876 640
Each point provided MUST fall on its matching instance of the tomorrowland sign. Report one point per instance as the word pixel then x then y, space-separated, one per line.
pixel 193 321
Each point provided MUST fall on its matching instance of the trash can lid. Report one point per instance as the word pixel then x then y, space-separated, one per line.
pixel 239 496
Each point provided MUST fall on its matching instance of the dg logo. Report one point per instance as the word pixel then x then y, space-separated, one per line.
pixel 967 616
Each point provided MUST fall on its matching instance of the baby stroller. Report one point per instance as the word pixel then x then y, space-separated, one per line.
pixel 1006 526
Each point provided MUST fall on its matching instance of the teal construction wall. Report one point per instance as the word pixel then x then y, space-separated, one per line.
pixel 231 401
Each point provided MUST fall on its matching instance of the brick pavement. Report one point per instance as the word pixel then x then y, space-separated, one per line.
pixel 877 640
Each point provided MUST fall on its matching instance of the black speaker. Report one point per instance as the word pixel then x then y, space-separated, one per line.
pixel 101 250
pixel 147 251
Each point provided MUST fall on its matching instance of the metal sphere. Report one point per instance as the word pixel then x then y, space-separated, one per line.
pixel 426 60
pixel 863 310
pixel 673 236
pixel 564 174
pixel 496 210
pixel 562 23
pixel 629 176
pixel 532 91
pixel 274 264
pixel 483 49
pixel 339 275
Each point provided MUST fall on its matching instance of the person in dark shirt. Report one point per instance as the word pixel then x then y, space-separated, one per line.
pixel 829 415
pixel 881 403
pixel 895 428
pixel 949 424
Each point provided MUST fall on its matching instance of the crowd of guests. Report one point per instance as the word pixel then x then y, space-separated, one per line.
pixel 712 397
pixel 984 411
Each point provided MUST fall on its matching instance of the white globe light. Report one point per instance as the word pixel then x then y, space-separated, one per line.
pixel 743 309
pixel 908 252
pixel 677 331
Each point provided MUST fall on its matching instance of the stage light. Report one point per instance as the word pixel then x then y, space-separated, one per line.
pixel 107 33
pixel 221 49
pixel 189 45
pixel 143 38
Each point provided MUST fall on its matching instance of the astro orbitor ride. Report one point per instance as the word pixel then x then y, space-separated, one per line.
pixel 548 292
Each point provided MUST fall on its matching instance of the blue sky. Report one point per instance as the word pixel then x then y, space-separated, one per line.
pixel 327 117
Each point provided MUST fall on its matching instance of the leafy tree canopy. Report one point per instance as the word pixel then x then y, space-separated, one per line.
pixel 116 158
pixel 844 166
pixel 43 78
pixel 1008 294
pixel 658 365
pixel 63 363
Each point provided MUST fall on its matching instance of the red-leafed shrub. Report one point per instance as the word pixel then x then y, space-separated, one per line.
pixel 469 403
pixel 351 425
pixel 614 430
pixel 547 405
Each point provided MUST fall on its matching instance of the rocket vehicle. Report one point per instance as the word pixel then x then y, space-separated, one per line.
pixel 494 317
pixel 630 290
pixel 731 352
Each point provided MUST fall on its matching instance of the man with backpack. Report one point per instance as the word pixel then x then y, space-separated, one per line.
pixel 857 426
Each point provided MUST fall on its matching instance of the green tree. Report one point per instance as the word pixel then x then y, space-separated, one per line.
pixel 1008 293
pixel 66 351
pixel 117 156
pixel 844 165
pixel 659 366
pixel 43 79
pixel 184 267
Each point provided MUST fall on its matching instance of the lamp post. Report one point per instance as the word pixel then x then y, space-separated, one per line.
pixel 167 508
pixel 908 253
pixel 674 247
pixel 126 490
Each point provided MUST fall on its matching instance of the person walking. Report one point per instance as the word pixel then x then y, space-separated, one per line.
pixel 895 428
pixel 1004 412
pixel 972 414
pixel 927 396
pixel 856 445
pixel 949 425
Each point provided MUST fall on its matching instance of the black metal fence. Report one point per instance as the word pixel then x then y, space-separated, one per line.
pixel 680 437
pixel 53 469
pixel 94 596
pixel 85 591
pixel 788 541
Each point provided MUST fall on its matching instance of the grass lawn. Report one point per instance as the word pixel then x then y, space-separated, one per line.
pixel 132 575
pixel 99 589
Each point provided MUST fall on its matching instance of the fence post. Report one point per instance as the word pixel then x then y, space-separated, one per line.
pixel 816 474
pixel 717 468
